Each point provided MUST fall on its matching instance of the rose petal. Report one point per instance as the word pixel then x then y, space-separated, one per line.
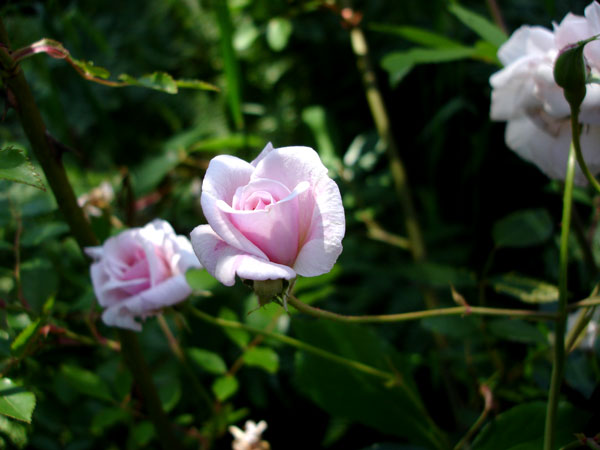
pixel 323 244
pixel 117 316
pixel 268 149
pixel 223 261
pixel 527 40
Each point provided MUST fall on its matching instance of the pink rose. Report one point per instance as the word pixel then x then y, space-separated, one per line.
pixel 524 94
pixel 275 218
pixel 139 272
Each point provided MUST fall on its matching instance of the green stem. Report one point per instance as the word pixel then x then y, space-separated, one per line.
pixel 49 158
pixel 561 320
pixel 575 130
pixel 487 397
pixel 132 353
pixel 416 315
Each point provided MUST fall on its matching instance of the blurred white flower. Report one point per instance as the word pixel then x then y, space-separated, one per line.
pixel 525 95
pixel 249 438
pixel 97 199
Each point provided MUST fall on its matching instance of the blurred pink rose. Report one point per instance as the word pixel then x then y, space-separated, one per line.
pixel 275 218
pixel 524 94
pixel 139 272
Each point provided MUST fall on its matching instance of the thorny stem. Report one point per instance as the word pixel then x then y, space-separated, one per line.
pixel 49 157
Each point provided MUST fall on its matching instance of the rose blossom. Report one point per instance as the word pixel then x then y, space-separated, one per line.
pixel 525 94
pixel 275 218
pixel 140 271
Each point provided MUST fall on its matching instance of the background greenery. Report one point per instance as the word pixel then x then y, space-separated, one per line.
pixel 490 221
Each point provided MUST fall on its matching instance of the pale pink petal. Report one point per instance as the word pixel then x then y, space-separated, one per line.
pixel 117 316
pixel 530 41
pixel 94 252
pixel 550 152
pixel 221 223
pixel 224 175
pixel 223 261
pixel 273 229
pixel 171 291
pixel 291 166
pixel 323 244
pixel 590 108
pixel 268 149
pixel 572 29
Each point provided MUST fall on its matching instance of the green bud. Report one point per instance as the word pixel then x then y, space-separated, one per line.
pixel 268 290
pixel 570 73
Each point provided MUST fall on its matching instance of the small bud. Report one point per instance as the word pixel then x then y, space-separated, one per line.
pixel 570 73
pixel 268 290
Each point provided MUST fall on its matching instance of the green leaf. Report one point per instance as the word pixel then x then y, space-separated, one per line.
pixel 207 360
pixel 196 84
pixel 225 387
pixel 15 166
pixel 318 121
pixel 398 64
pixel 224 143
pixel 86 382
pixel 169 389
pixel 523 228
pixel 437 275
pixel 15 401
pixel 232 70
pixel 279 31
pixel 40 282
pixel 15 431
pixel 452 326
pixel 522 427
pixel 153 170
pixel 517 331
pixel 528 290
pixel 263 357
pixel 21 342
pixel 90 69
pixel 417 35
pixel 479 24
pixel 43 232
pixel 200 280
pixel 142 433
pixel 160 81
pixel 240 337
pixel 344 392
pixel 106 418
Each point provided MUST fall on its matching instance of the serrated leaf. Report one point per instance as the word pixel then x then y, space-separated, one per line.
pixel 169 389
pixel 240 337
pixel 523 228
pixel 279 30
pixel 207 360
pixel 479 24
pixel 15 166
pixel 15 401
pixel 528 290
pixel 21 342
pixel 263 357
pixel 86 382
pixel 225 387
